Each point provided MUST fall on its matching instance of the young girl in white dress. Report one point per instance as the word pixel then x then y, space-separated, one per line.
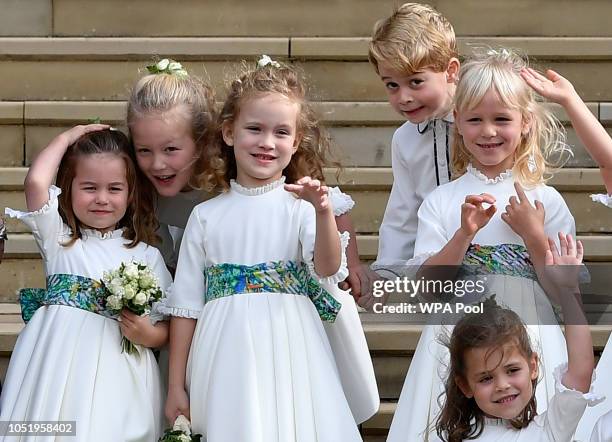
pixel 67 364
pixel 494 369
pixel 249 358
pixel 501 142
pixel 170 117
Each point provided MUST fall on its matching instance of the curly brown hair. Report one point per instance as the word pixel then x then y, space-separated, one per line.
pixel 139 222
pixel 460 417
pixel 314 144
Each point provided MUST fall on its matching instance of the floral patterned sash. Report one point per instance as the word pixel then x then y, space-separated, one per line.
pixel 65 289
pixel 503 259
pixel 269 277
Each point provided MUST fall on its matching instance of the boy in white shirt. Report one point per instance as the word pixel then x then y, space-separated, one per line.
pixel 415 54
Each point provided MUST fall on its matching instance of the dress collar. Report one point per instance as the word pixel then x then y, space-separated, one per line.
pixel 482 177
pixel 93 233
pixel 428 125
pixel 252 191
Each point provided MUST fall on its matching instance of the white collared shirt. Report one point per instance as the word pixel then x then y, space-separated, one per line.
pixel 420 159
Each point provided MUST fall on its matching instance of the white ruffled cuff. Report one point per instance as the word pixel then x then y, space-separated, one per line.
pixel 157 316
pixel 51 204
pixel 591 397
pixel 341 202
pixel 602 198
pixel 164 308
pixel 342 272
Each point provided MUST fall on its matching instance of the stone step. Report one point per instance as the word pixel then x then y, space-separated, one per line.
pixel 361 131
pixel 279 18
pixel 80 68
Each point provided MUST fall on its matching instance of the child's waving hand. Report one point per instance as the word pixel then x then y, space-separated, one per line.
pixel 553 87
pixel 312 191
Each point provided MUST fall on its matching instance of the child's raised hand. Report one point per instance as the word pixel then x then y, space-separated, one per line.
pixel 473 215
pixel 312 191
pixel 76 132
pixel 553 87
pixel 570 256
pixel 526 220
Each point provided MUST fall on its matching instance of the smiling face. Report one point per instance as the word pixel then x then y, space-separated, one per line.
pixel 421 95
pixel 499 379
pixel 491 133
pixel 100 191
pixel 165 150
pixel 264 137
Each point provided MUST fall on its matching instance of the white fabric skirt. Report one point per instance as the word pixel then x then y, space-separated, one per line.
pixel 67 365
pixel 261 369
pixel 419 403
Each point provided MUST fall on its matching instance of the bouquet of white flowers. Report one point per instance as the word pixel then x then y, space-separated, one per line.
pixel 180 432
pixel 132 286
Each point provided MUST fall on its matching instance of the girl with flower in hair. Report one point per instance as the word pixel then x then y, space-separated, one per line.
pixel 68 364
pixel 494 369
pixel 170 118
pixel 494 220
pixel 249 356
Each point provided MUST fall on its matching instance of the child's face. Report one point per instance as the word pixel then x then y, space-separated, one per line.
pixel 264 137
pixel 491 133
pixel 165 150
pixel 499 380
pixel 100 191
pixel 422 95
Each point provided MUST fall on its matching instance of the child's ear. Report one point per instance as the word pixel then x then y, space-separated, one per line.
pixel 452 70
pixel 534 366
pixel 464 387
pixel 227 130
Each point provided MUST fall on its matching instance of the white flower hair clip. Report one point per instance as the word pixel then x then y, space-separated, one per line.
pixel 265 61
pixel 168 66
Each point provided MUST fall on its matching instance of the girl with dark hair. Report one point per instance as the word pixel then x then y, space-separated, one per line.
pixel 68 364
pixel 491 383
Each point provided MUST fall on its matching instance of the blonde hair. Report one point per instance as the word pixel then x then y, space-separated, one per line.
pixel 499 70
pixel 314 144
pixel 163 92
pixel 415 36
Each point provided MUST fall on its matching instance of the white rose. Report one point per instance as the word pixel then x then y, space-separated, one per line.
pixel 131 271
pixel 163 64
pixel 184 438
pixel 115 286
pixel 175 66
pixel 182 424
pixel 140 298
pixel 129 292
pixel 146 281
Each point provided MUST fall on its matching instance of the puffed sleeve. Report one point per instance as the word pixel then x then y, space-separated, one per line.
pixel 47 226
pixel 341 202
pixel 566 407
pixel 602 198
pixel 307 241
pixel 186 296
pixel 431 234
pixel 398 231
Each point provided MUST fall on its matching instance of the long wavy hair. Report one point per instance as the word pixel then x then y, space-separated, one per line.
pixel 543 148
pixel 495 328
pixel 139 222
pixel 314 145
